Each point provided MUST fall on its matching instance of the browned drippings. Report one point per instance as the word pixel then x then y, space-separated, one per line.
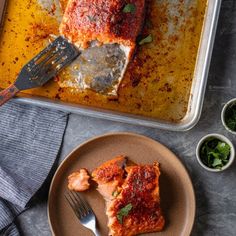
pixel 158 81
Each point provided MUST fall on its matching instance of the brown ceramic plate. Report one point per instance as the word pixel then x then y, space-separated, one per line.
pixel 177 194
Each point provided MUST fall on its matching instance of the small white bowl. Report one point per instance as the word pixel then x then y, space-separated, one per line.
pixel 225 107
pixel 222 138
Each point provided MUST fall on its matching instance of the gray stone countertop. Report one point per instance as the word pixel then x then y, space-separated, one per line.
pixel 215 193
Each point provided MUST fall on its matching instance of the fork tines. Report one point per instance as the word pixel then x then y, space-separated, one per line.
pixel 78 204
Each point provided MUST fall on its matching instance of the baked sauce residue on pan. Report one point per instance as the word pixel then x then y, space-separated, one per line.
pixel 158 81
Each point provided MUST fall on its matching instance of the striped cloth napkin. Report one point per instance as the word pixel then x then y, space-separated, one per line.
pixel 30 139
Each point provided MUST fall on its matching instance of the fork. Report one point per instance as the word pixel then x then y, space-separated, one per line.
pixel 82 210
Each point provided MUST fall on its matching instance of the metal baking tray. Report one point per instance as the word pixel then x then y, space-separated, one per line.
pixel 197 90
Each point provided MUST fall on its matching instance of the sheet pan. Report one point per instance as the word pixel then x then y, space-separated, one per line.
pixel 197 90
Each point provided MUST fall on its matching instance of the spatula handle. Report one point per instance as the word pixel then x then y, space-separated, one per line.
pixel 8 93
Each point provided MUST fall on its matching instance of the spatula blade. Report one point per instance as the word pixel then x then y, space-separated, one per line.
pixel 46 64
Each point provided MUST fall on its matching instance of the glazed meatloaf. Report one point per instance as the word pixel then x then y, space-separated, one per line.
pixel 107 22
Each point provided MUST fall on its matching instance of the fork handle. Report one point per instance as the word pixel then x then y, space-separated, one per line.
pixel 96 233
pixel 8 93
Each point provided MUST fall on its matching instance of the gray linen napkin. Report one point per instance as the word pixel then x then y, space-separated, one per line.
pixel 30 139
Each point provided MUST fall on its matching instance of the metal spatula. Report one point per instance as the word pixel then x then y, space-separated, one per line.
pixel 42 68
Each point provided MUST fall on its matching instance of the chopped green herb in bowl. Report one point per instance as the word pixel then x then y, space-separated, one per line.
pixel 228 116
pixel 215 152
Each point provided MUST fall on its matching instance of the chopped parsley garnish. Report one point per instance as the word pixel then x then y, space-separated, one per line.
pixel 92 18
pixel 148 39
pixel 129 8
pixel 124 212
pixel 230 117
pixel 215 153
pixel 115 193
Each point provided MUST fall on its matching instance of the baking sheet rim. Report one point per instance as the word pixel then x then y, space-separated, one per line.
pixel 196 97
